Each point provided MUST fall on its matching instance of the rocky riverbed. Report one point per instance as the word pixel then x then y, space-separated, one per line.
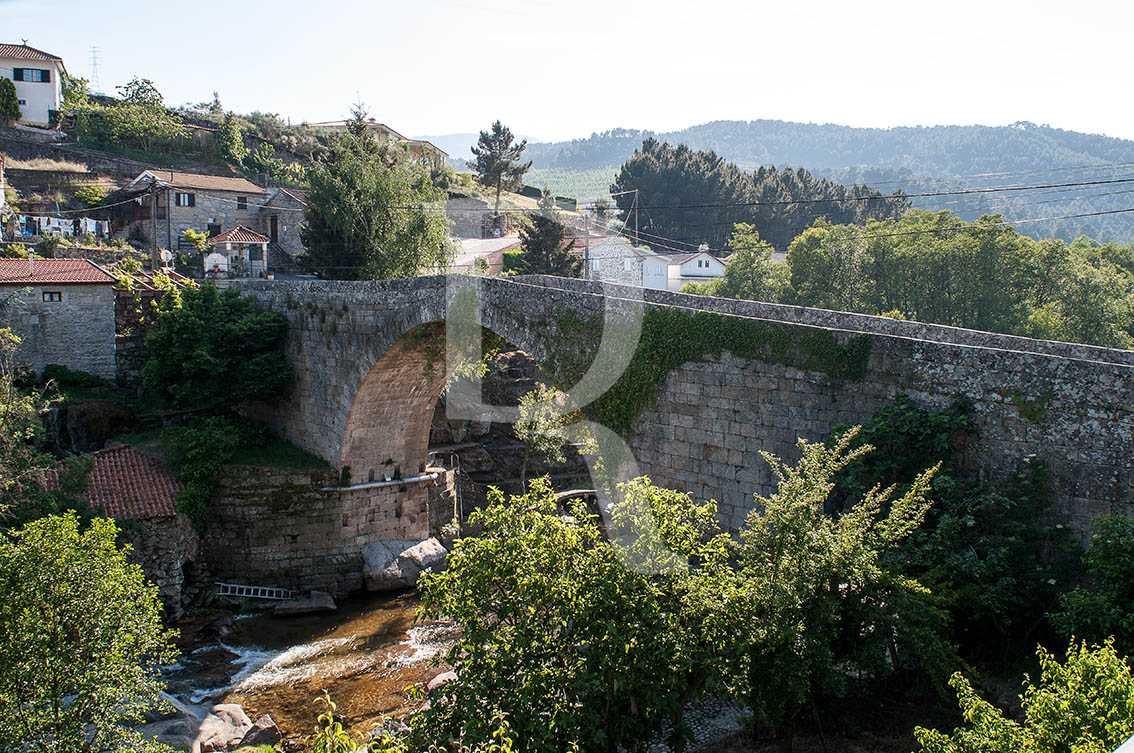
pixel 365 655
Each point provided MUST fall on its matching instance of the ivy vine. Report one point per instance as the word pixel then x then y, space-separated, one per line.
pixel 672 337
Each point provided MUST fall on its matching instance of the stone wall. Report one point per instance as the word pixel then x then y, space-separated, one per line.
pixel 211 207
pixel 277 527
pixel 164 547
pixel 77 332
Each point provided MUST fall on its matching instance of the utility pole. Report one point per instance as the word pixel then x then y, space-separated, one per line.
pixel 155 255
pixel 635 216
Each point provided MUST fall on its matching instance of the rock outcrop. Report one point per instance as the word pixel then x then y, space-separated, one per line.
pixel 222 730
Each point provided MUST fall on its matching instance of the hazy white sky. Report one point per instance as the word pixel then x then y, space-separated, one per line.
pixel 557 70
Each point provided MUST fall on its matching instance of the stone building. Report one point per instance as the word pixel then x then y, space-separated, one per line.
pixel 616 260
pixel 280 219
pixel 63 312
pixel 238 252
pixel 137 491
pixel 208 204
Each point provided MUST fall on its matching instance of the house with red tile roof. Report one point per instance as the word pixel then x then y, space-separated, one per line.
pixel 38 77
pixel 238 252
pixel 63 312
pixel 139 491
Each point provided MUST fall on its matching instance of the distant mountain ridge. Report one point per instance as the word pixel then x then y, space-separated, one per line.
pixel 912 159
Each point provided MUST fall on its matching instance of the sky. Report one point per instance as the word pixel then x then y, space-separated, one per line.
pixel 560 70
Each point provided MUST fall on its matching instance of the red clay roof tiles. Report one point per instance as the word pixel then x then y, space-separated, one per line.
pixel 53 272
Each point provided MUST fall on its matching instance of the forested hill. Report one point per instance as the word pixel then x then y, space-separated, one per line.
pixel 912 159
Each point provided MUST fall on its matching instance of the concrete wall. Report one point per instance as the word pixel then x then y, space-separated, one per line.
pixel 710 419
pixel 77 332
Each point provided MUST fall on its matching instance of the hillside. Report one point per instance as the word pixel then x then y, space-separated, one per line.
pixel 910 159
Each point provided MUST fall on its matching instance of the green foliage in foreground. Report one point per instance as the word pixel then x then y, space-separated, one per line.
pixel 1085 705
pixel 1107 609
pixel 216 351
pixel 988 551
pixel 595 635
pixel 81 640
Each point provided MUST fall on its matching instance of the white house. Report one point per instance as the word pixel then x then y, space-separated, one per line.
pixel 238 252
pixel 616 260
pixel 38 76
pixel 696 267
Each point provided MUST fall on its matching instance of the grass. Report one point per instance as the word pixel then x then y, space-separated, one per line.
pixel 44 163
pixel 584 185
pixel 276 453
pixel 147 439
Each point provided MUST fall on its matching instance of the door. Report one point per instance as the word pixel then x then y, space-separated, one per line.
pixel 274 228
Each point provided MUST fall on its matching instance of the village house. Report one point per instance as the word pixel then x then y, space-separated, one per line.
pixel 616 260
pixel 208 204
pixel 700 266
pixel 280 219
pixel 63 312
pixel 38 77
pixel 238 252
pixel 134 487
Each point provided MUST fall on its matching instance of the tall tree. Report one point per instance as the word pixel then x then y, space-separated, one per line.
pixel 369 218
pixel 544 248
pixel 9 102
pixel 497 162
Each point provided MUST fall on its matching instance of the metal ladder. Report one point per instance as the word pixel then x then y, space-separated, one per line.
pixel 254 592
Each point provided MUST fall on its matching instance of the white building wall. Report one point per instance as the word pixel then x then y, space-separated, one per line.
pixel 36 98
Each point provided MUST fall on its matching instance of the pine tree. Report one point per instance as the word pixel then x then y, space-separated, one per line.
pixel 9 102
pixel 545 249
pixel 497 162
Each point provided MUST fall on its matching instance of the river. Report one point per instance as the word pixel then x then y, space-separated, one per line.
pixel 365 655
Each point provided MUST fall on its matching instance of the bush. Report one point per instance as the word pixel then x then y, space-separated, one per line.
pixel 1108 608
pixel 1083 706
pixel 200 450
pixel 91 194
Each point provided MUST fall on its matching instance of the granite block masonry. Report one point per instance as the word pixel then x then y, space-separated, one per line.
pixel 363 394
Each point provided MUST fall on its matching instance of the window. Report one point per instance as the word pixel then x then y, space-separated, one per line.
pixel 628 265
pixel 35 75
pixel 52 296
pixel 242 203
pixel 23 102
pixel 185 199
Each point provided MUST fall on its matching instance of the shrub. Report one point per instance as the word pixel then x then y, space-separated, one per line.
pixel 1108 608
pixel 1085 705
pixel 91 194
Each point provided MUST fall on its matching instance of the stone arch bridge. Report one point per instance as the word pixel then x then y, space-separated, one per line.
pixel 368 359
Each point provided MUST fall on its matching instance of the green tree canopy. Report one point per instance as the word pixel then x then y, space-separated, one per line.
pixel 9 102
pixel 497 160
pixel 229 144
pixel 216 351
pixel 371 218
pixel 81 640
pixel 544 246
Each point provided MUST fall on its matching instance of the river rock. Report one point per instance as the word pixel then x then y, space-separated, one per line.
pixel 222 730
pixel 440 681
pixel 263 732
pixel 317 601
pixel 397 563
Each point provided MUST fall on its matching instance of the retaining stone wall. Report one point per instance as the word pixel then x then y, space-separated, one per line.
pixel 276 527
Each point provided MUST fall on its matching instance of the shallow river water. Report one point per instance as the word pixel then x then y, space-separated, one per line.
pixel 365 655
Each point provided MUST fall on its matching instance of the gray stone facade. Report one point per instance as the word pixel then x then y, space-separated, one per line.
pixel 210 208
pixel 361 397
pixel 76 331
pixel 163 547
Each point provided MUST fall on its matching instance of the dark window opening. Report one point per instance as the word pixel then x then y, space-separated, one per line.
pixel 52 296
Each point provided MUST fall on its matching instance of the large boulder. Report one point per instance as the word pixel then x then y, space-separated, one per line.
pixel 396 564
pixel 222 730
pixel 317 601
pixel 263 732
